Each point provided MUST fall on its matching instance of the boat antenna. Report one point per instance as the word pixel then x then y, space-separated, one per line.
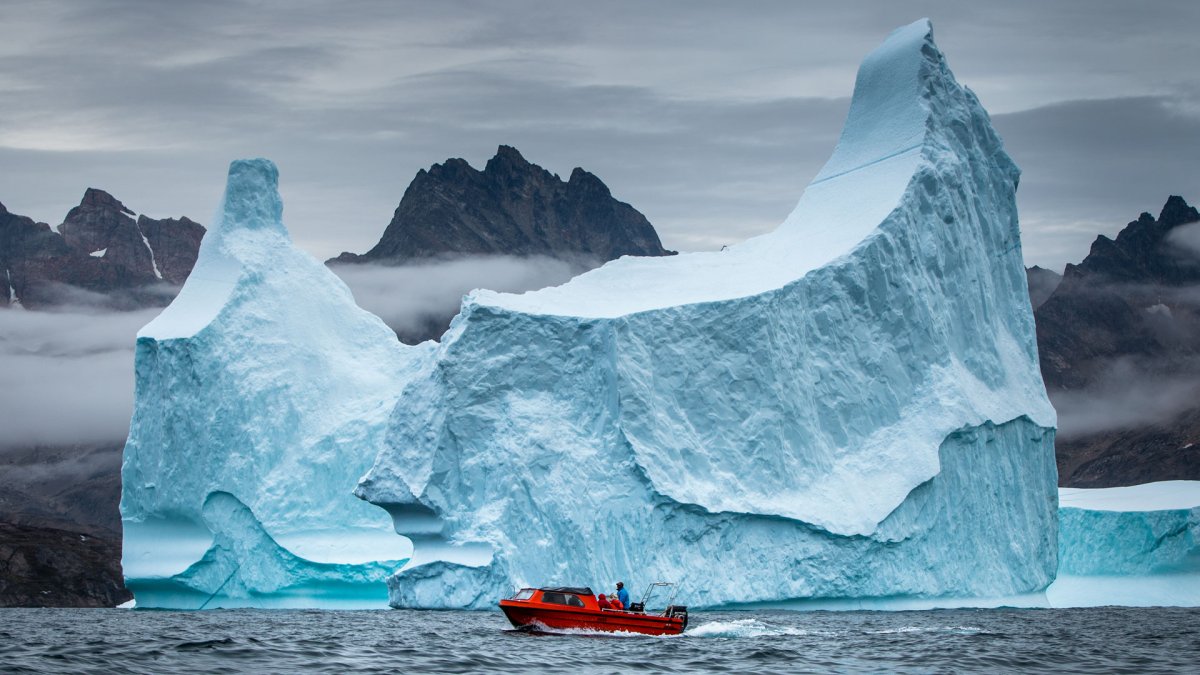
pixel 650 589
pixel 674 591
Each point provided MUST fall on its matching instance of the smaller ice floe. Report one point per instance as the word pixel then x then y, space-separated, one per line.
pixel 1135 546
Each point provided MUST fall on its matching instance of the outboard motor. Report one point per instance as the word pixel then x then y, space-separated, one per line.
pixel 679 611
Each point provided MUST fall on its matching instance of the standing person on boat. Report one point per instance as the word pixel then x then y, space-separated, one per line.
pixel 622 594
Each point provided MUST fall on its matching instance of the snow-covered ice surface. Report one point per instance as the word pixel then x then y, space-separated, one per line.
pixel 1137 545
pixel 1169 495
pixel 262 393
pixel 848 407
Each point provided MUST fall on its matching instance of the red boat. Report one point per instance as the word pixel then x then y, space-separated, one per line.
pixel 576 608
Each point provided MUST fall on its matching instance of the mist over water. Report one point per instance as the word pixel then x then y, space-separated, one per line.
pixel 1027 640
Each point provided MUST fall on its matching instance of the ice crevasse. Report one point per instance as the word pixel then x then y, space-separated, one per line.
pixel 847 407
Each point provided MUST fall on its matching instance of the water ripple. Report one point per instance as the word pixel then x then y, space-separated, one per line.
pixel 235 641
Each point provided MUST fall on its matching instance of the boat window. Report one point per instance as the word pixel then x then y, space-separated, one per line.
pixel 524 594
pixel 562 599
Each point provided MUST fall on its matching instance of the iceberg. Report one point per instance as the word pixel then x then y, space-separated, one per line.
pixel 847 407
pixel 261 393
pixel 1136 545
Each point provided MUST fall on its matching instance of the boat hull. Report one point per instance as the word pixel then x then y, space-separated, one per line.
pixel 540 616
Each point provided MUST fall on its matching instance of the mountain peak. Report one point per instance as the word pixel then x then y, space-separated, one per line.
pixel 1177 212
pixel 511 153
pixel 97 198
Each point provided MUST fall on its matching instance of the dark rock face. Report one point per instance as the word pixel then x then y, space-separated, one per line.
pixel 175 242
pixel 46 567
pixel 102 224
pixel 1119 341
pixel 514 208
pixel 99 257
pixel 60 527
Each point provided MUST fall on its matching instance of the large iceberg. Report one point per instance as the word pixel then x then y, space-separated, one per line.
pixel 847 407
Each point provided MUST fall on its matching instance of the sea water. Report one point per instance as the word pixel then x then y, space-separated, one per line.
pixel 228 641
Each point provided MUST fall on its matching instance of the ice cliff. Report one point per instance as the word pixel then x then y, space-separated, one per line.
pixel 262 392
pixel 847 407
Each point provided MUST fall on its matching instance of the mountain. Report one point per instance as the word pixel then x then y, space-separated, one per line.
pixel 1119 343
pixel 512 226
pixel 513 208
pixel 99 256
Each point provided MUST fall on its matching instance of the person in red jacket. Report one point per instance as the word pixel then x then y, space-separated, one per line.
pixel 616 603
pixel 603 602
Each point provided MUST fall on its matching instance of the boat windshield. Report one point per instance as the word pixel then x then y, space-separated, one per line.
pixel 561 599
pixel 523 594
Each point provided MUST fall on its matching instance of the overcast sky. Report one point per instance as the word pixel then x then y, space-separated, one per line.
pixel 710 118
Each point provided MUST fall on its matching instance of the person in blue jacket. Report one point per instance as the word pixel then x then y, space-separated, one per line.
pixel 622 594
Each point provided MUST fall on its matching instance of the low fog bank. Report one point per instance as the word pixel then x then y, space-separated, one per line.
pixel 418 300
pixel 1130 393
pixel 66 377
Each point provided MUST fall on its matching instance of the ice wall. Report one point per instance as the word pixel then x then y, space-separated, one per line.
pixel 262 393
pixel 1137 545
pixel 849 406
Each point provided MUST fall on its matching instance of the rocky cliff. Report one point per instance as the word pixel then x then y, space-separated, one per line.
pixel 1119 343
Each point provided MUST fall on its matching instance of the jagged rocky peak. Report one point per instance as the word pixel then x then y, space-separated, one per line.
pixel 1141 251
pixel 100 256
pixel 511 207
pixel 103 225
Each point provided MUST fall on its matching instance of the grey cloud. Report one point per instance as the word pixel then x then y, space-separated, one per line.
pixel 1186 238
pixel 1090 167
pixel 707 117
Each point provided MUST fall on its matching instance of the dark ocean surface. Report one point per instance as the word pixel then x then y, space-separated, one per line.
pixel 1111 640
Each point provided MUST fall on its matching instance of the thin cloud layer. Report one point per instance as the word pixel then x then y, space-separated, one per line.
pixel 1130 396
pixel 411 298
pixel 1186 238
pixel 66 377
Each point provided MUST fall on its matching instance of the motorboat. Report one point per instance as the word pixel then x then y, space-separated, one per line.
pixel 576 608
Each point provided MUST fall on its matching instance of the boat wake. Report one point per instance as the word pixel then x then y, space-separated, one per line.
pixel 745 628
